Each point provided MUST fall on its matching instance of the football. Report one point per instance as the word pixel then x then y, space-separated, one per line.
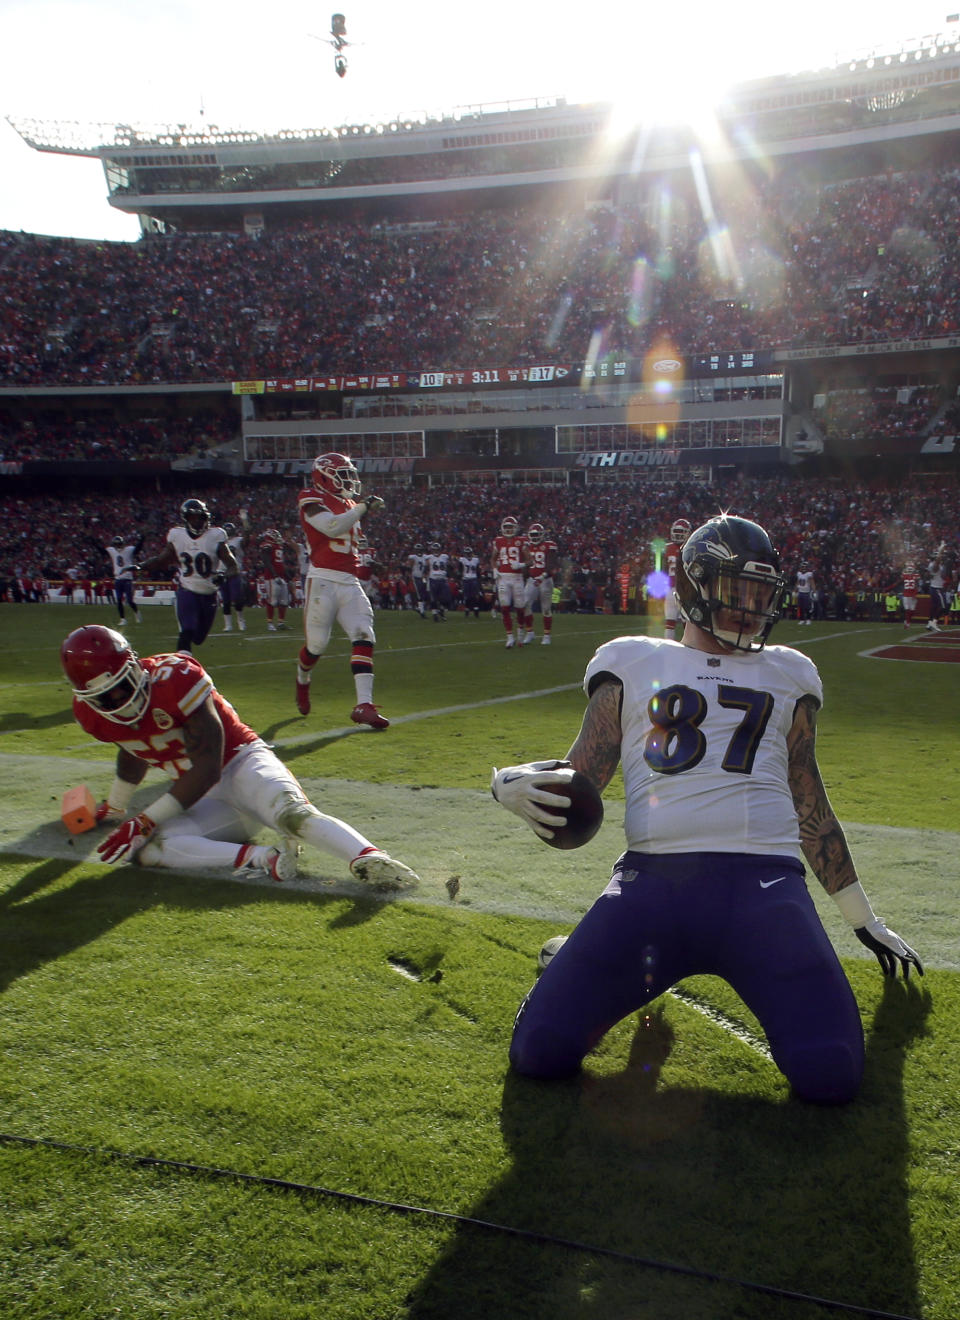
pixel 584 815
pixel 549 950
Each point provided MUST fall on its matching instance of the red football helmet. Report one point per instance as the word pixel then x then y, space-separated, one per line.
pixel 509 526
pixel 680 530
pixel 334 474
pixel 104 672
pixel 535 533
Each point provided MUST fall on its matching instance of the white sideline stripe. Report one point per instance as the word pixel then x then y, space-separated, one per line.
pixel 424 715
pixel 721 1020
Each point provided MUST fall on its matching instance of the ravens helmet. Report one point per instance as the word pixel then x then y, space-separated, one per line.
pixel 195 516
pixel 729 582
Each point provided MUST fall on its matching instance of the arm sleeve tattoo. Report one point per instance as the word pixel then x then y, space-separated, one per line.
pixel 596 752
pixel 821 835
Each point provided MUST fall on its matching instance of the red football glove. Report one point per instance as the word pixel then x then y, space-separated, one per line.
pixel 104 814
pixel 125 842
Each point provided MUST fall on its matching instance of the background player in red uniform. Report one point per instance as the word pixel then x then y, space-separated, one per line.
pixel 330 512
pixel 164 712
pixel 542 559
pixel 508 564
pixel 277 558
pixel 671 559
pixel 911 586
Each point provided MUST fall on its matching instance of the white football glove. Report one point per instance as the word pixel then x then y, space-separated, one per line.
pixel 520 789
pixel 892 952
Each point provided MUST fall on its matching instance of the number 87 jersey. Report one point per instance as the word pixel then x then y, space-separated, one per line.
pixel 704 744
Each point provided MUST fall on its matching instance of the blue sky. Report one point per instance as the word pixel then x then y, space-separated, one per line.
pixel 257 66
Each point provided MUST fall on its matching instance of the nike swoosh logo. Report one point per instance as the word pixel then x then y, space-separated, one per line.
pixel 508 779
pixel 765 884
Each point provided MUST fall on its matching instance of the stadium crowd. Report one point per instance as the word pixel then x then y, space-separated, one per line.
pixel 779 264
pixel 853 538
pixel 101 435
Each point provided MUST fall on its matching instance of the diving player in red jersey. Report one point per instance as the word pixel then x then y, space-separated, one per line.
pixel 163 712
pixel 724 801
pixel 330 513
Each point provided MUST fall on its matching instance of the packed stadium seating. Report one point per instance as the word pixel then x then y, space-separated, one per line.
pixel 776 264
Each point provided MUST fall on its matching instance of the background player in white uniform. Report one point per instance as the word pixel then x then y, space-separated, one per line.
pixel 164 712
pixel 438 581
pixel 122 553
pixel 417 562
pixel 470 582
pixel 671 561
pixel 330 514
pixel 233 593
pixel 805 587
pixel 541 557
pixel 723 801
pixel 508 564
pixel 202 559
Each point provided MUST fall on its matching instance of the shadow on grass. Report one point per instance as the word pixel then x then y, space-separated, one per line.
pixel 38 927
pixel 782 1194
pixel 13 720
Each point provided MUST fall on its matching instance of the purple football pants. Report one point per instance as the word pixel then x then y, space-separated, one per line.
pixel 745 918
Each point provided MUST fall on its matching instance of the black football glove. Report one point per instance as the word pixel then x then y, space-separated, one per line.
pixel 373 503
pixel 892 952
pixel 218 579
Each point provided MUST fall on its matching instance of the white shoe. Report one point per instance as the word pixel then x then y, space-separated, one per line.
pixel 121 623
pixel 271 627
pixel 228 627
pixel 933 627
pixel 381 871
pixel 530 637
pixel 242 625
pixel 546 640
pixel 511 640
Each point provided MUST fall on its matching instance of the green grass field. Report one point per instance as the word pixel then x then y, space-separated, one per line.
pixel 284 1103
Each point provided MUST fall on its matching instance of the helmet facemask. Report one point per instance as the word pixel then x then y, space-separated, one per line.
pixel 122 696
pixel 743 607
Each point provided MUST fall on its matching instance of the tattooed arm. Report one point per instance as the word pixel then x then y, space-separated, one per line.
pixel 821 835
pixel 203 741
pixel 825 848
pixel 596 752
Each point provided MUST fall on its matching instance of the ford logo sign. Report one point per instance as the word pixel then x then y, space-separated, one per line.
pixel 668 364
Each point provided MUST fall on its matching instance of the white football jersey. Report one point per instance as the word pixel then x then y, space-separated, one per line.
pixel 470 565
pixel 197 558
pixel 704 745
pixel 122 560
pixel 235 544
pixel 437 566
